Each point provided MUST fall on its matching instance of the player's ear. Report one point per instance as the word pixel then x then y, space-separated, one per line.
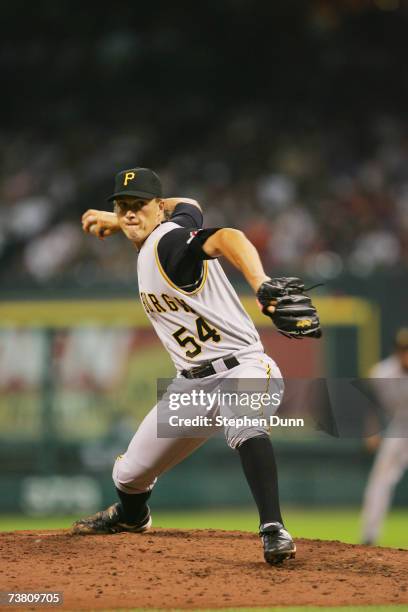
pixel 161 210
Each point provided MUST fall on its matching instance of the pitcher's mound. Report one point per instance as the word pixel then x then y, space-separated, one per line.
pixel 197 569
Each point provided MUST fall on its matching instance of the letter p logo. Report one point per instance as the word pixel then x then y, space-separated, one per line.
pixel 129 176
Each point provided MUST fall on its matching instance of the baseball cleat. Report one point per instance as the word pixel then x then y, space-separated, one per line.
pixel 368 542
pixel 109 521
pixel 277 542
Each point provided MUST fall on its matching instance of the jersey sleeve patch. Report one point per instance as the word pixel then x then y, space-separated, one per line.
pixel 197 239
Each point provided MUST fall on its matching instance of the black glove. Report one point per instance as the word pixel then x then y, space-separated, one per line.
pixel 294 315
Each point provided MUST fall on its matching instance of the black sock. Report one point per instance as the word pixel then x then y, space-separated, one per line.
pixel 259 465
pixel 134 507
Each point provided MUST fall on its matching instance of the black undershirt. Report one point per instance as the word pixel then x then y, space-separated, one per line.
pixel 180 250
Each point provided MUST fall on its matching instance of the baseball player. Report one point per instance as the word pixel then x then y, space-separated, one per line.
pixel 390 381
pixel 201 322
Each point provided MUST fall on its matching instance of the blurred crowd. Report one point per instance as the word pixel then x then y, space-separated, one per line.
pixel 305 209
pixel 305 153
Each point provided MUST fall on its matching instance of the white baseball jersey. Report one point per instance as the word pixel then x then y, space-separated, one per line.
pixel 393 391
pixel 198 326
pixel 391 383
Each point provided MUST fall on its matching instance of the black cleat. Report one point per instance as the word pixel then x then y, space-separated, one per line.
pixel 277 542
pixel 109 521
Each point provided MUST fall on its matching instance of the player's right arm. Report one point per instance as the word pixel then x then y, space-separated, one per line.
pixel 100 223
pixel 183 211
pixel 170 205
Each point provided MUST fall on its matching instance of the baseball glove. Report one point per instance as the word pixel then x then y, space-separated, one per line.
pixel 294 315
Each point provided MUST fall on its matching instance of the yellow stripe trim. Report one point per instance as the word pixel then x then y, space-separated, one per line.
pixel 169 281
pixel 66 313
pixel 268 379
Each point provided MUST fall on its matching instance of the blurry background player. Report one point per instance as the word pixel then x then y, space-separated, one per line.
pixel 392 457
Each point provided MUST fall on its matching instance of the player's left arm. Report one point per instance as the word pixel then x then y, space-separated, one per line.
pixel 281 299
pixel 240 252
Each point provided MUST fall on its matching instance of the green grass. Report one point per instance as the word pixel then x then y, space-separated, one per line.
pixel 324 524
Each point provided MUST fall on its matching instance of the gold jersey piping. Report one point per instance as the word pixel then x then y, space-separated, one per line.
pixel 170 282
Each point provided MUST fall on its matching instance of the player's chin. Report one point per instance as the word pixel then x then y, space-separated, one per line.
pixel 134 233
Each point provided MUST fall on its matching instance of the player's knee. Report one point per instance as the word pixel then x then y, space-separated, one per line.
pixel 132 477
pixel 235 437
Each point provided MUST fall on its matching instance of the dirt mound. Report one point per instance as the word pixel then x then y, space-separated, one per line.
pixel 197 569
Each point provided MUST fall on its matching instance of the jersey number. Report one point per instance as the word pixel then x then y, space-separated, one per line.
pixel 204 332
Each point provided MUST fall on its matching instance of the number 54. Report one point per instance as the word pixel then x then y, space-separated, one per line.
pixel 204 332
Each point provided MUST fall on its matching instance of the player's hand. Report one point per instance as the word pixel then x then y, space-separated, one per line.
pixel 100 223
pixel 270 308
pixel 372 443
pixel 294 314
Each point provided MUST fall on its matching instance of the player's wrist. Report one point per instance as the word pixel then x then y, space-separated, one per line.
pixel 109 222
pixel 257 281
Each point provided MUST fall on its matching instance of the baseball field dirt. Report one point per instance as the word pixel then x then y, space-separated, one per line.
pixel 167 568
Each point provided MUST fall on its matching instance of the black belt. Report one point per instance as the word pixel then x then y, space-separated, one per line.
pixel 208 369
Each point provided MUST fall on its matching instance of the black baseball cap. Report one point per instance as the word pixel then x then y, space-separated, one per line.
pixel 137 182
